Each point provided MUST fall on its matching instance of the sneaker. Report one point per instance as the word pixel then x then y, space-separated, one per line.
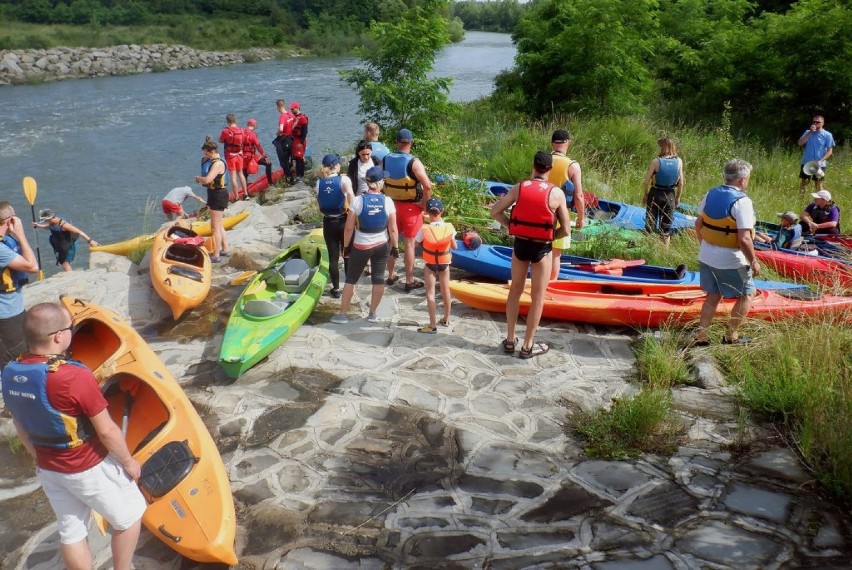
pixel 334 293
pixel 428 329
pixel 372 318
pixel 339 319
pixel 215 259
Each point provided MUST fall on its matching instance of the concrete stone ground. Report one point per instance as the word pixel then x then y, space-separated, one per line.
pixel 374 446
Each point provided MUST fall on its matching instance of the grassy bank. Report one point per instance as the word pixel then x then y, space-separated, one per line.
pixel 798 374
pixel 213 34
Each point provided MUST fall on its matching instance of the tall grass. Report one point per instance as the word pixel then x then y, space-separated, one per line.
pixel 799 372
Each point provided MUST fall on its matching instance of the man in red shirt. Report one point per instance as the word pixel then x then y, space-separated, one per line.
pixel 284 140
pixel 83 461
pixel 251 147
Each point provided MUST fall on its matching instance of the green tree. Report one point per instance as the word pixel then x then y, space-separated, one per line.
pixel 394 83
pixel 590 55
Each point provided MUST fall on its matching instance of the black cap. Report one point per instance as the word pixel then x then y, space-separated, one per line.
pixel 560 136
pixel 542 161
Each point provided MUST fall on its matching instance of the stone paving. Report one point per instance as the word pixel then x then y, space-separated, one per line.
pixel 374 446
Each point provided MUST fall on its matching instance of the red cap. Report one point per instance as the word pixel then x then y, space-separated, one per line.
pixel 252 123
pixel 295 105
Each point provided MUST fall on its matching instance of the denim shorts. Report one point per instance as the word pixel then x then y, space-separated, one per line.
pixel 728 283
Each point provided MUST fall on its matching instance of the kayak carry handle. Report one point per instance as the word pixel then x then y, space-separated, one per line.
pixel 167 534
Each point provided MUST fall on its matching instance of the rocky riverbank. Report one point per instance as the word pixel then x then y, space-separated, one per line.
pixel 33 65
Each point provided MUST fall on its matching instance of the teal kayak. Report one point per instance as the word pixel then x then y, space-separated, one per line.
pixel 274 304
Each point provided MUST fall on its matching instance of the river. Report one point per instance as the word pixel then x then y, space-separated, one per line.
pixel 104 151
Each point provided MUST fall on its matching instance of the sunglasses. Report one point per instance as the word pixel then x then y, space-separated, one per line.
pixel 69 328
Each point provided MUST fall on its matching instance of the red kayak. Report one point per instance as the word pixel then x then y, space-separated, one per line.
pixel 647 304
pixel 840 239
pixel 260 184
pixel 814 268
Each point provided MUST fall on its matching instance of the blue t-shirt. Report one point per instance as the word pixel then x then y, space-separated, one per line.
pixel 380 150
pixel 817 145
pixel 11 304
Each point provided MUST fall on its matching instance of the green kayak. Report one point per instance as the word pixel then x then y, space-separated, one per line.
pixel 274 304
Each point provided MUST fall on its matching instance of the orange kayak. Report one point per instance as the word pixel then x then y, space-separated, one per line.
pixel 190 506
pixel 646 304
pixel 181 273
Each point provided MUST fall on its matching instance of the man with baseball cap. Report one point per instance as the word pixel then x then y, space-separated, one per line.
pixel 565 170
pixel 538 205
pixel 818 146
pixel 408 185
pixel 822 216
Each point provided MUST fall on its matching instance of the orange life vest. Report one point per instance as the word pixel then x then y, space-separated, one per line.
pixel 437 244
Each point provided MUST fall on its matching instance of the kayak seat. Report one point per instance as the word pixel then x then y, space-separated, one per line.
pixel 264 308
pixel 187 272
pixel 680 271
pixel 179 232
pixel 167 468
pixel 185 254
pixel 296 273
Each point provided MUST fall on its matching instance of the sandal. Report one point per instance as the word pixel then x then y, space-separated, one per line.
pixel 538 348
pixel 738 340
pixel 444 322
pixel 428 329
pixel 391 280
pixel 509 345
pixel 415 285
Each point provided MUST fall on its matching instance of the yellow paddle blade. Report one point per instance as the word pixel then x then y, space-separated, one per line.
pixel 30 189
pixel 243 277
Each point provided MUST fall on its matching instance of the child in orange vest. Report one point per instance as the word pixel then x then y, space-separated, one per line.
pixel 438 239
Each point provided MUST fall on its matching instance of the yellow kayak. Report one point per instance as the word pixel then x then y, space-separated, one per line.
pixel 190 506
pixel 180 272
pixel 142 244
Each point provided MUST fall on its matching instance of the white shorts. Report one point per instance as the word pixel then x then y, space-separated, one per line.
pixel 105 488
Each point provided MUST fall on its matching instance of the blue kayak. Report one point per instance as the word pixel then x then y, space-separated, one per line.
pixel 616 213
pixel 495 261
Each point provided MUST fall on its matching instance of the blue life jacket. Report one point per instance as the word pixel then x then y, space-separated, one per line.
pixel 400 183
pixel 789 237
pixel 373 217
pixel 666 177
pixel 221 181
pixel 25 394
pixel 12 279
pixel 330 196
pixel 718 225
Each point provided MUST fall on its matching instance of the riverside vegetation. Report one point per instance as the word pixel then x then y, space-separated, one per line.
pixel 797 374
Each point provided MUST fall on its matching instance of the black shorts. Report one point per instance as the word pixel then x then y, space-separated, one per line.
pixel 217 200
pixel 530 250
pixel 804 176
pixel 437 267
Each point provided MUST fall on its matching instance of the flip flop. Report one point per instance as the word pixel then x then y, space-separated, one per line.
pixel 509 345
pixel 537 349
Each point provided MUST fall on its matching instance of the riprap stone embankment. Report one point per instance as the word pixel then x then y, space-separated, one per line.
pixel 22 66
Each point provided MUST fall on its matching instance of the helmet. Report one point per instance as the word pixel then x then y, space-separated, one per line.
pixel 472 241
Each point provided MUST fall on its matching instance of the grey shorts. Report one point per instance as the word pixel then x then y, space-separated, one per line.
pixel 729 283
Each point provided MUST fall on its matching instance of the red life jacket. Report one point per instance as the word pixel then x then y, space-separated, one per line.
pixel 250 143
pixel 233 138
pixel 531 216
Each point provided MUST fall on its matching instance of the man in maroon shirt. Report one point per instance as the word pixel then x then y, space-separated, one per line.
pixel 83 461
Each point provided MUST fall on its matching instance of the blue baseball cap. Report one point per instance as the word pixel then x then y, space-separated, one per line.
pixel 404 135
pixel 330 160
pixel 434 205
pixel 375 174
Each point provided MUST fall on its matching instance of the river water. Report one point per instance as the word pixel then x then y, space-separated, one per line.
pixel 104 151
